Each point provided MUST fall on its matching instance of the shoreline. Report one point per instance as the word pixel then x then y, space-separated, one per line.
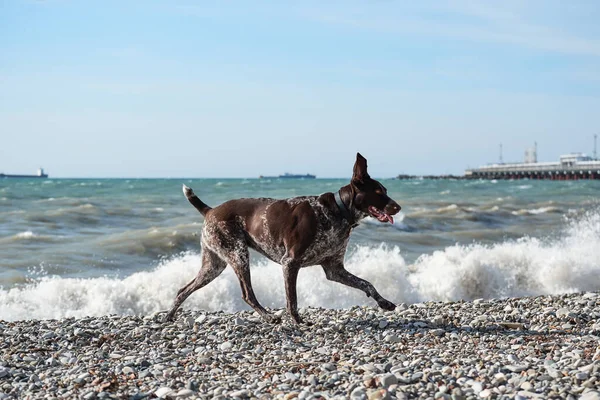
pixel 533 347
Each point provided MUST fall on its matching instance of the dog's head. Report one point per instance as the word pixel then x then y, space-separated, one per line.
pixel 370 196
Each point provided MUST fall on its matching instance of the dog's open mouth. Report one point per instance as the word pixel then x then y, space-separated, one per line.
pixel 381 216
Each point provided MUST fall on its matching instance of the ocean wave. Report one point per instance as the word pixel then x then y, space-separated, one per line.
pixel 86 214
pixel 536 211
pixel 448 209
pixel 155 241
pixel 480 212
pixel 65 201
pixel 30 236
pixel 477 182
pixel 568 262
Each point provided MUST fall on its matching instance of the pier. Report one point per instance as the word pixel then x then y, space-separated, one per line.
pixel 569 167
pixel 574 166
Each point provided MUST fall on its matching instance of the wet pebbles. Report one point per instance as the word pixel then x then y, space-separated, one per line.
pixel 539 347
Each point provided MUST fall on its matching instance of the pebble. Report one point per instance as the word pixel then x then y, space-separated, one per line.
pixel 526 386
pixel 539 347
pixel 201 318
pixel 226 346
pixel 184 393
pixel 591 395
pixel 392 339
pixel 582 375
pixel 239 393
pixel 359 393
pixel 163 392
pixel 388 380
pixel 562 312
pixel 127 370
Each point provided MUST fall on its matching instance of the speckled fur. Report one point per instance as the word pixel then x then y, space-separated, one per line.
pixel 297 232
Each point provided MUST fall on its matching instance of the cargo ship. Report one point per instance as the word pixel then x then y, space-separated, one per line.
pixel 40 174
pixel 287 175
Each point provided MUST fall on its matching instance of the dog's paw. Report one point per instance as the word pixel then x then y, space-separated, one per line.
pixel 387 305
pixel 297 320
pixel 272 319
pixel 168 318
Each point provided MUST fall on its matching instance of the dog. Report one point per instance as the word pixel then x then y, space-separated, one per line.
pixel 297 232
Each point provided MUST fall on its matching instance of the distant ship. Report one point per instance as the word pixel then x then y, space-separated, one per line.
pixel 40 174
pixel 287 175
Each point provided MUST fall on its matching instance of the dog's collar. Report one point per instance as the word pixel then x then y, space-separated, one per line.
pixel 345 212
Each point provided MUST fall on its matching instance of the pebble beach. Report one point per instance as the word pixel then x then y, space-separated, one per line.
pixel 521 348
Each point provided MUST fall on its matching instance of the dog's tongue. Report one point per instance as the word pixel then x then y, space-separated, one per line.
pixel 383 217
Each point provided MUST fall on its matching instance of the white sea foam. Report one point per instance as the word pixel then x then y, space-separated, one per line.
pixel 535 211
pixel 25 235
pixel 449 208
pixel 29 236
pixel 567 263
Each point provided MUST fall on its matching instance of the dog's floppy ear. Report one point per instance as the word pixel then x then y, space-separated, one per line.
pixel 360 169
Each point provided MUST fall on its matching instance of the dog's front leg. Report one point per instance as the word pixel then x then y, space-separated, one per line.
pixel 335 271
pixel 290 275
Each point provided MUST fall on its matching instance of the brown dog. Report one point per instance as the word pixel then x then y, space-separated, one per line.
pixel 296 233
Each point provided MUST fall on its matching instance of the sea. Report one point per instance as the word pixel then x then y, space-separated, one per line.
pixel 91 247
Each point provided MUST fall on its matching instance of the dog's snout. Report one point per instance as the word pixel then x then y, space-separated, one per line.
pixel 393 207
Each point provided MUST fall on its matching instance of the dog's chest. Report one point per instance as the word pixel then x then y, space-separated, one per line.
pixel 329 238
pixel 328 243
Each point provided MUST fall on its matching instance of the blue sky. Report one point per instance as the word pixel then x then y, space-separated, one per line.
pixel 239 89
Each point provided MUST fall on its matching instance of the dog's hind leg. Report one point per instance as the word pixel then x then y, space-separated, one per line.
pixel 240 262
pixel 212 266
pixel 230 243
pixel 335 271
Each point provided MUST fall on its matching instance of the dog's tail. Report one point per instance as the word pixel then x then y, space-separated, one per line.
pixel 196 202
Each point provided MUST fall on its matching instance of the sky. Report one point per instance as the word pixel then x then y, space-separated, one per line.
pixel 244 88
